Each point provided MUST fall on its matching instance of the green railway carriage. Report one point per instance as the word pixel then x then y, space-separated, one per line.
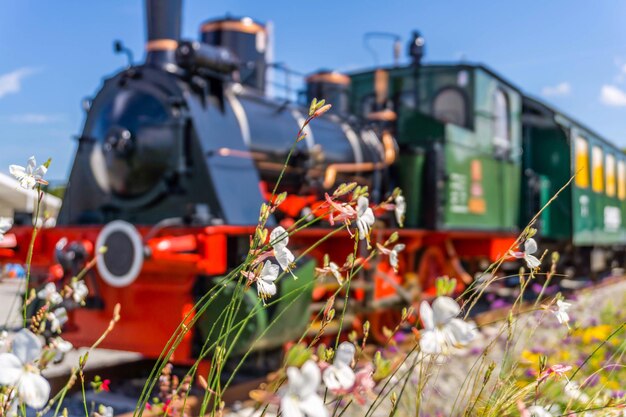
pixel 478 159
pixel 477 154
pixel 460 135
pixel 590 213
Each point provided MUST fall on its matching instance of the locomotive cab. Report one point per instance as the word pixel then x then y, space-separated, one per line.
pixel 459 131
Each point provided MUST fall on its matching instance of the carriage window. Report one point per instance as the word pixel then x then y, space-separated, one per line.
pixel 597 171
pixel 501 128
pixel 449 107
pixel 610 175
pixel 621 180
pixel 582 162
pixel 368 105
pixel 407 100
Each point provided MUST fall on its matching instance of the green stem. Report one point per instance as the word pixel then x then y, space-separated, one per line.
pixel 29 256
pixel 82 388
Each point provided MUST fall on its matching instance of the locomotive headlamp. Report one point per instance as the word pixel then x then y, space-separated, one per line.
pixel 120 141
pixel 416 48
pixel 121 264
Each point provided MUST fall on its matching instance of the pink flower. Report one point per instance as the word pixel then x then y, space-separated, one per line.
pixel 364 384
pixel 105 385
pixel 557 370
pixel 346 211
pixel 261 256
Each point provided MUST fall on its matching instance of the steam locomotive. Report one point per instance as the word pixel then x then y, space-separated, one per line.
pixel 178 153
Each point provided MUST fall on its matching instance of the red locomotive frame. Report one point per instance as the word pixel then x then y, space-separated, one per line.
pixel 182 254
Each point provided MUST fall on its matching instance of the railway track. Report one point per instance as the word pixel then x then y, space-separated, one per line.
pixel 128 375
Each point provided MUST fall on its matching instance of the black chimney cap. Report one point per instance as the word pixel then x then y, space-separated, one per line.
pixel 416 48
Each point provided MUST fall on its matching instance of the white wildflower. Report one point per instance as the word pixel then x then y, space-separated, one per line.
pixel 57 319
pixel 279 238
pixel 530 247
pixel 393 254
pixel 300 398
pixel 61 347
pixel 442 329
pixel 265 281
pixel 4 341
pixel 561 312
pixel 364 218
pixel 105 411
pixel 79 291
pixel 400 209
pixel 50 294
pixel 331 269
pixel 29 176
pixel 18 369
pixel 538 411
pixel 573 391
pixel 5 225
pixel 340 376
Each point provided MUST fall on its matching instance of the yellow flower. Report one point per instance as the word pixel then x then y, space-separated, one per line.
pixel 595 333
pixel 530 357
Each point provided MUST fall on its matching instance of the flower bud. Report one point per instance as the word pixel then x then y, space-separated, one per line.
pixel 297 355
pixel 330 315
pixel 344 189
pixel 490 369
pixel 313 106
pixel 280 198
pixel 322 110
pixel 82 361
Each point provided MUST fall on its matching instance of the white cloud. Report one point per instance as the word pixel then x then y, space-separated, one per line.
pixel 612 96
pixel 35 118
pixel 11 82
pixel 561 89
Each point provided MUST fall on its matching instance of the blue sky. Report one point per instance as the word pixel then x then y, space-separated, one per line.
pixel 53 54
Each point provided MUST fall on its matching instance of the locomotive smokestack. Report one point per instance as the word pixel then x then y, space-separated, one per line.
pixel 331 86
pixel 163 21
pixel 247 39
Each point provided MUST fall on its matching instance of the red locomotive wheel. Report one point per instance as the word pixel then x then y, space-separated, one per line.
pixel 388 317
pixel 431 265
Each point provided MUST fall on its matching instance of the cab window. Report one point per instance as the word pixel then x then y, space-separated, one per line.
pixel 449 106
pixel 621 180
pixel 610 175
pixel 501 128
pixel 597 171
pixel 368 105
pixel 581 170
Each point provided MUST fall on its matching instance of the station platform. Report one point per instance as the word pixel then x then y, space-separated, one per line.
pixel 99 359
